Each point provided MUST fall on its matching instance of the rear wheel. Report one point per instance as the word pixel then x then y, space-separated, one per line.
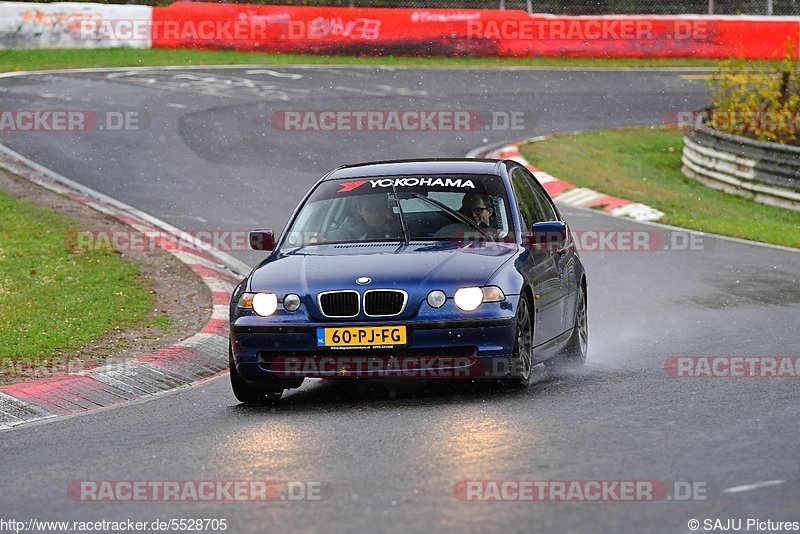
pixel 574 354
pixel 522 358
pixel 250 393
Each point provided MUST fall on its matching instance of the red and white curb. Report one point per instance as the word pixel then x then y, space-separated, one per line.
pixel 193 359
pixel 567 193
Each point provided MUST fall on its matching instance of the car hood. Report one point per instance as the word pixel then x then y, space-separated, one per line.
pixel 415 267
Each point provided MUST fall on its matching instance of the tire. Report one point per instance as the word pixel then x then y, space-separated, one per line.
pixel 522 358
pixel 574 354
pixel 250 393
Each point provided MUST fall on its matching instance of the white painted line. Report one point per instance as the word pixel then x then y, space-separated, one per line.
pixel 218 285
pixel 640 212
pixel 319 66
pixel 201 339
pixel 8 416
pixel 21 403
pixel 221 311
pixel 111 379
pixel 749 487
pixel 212 346
pixel 544 177
pixel 578 196
pixel 102 208
pixel 275 73
pixel 193 259
pixel 508 152
pixel 509 148
pixel 12 404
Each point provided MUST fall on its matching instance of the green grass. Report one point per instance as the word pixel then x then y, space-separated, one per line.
pixel 15 60
pixel 644 165
pixel 55 300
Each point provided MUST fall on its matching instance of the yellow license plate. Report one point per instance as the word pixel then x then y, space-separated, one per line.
pixel 361 336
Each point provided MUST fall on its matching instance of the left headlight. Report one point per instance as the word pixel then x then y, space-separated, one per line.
pixel 264 304
pixel 469 298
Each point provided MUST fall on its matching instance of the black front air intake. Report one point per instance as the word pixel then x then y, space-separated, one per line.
pixel 384 303
pixel 339 303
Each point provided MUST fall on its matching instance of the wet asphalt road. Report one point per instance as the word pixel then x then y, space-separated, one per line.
pixel 387 456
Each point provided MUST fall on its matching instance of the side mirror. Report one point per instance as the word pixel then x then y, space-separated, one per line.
pixel 550 235
pixel 262 240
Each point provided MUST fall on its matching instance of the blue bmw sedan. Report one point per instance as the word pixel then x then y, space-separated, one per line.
pixel 415 269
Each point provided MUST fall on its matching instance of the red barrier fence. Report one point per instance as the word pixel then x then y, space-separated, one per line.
pixel 444 32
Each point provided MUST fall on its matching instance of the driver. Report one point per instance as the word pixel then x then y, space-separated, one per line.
pixel 478 208
pixel 374 219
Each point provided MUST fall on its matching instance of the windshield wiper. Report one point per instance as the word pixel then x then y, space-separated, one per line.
pixel 403 227
pixel 458 215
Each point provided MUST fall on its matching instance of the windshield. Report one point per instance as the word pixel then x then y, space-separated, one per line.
pixel 404 208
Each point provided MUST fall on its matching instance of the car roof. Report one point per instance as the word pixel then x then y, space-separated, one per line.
pixel 416 166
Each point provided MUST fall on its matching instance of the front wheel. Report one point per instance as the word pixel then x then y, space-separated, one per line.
pixel 522 359
pixel 574 354
pixel 250 393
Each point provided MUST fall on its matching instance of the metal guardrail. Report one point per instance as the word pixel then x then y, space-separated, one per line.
pixel 765 172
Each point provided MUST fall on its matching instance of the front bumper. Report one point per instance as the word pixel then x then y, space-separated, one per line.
pixel 442 345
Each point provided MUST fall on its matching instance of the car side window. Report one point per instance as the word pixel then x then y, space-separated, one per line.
pixel 527 203
pixel 545 204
